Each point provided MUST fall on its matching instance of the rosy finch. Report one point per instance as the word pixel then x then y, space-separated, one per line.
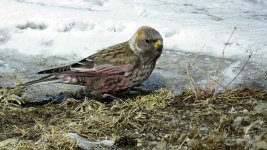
pixel 116 68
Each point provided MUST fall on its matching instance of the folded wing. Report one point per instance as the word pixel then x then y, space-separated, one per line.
pixel 84 68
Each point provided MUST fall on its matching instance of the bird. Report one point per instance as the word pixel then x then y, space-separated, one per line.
pixel 116 68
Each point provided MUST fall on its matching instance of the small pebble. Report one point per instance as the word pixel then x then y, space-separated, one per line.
pixel 237 121
pixel 204 130
pixel 260 108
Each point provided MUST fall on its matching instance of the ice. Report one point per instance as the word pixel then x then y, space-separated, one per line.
pixel 229 71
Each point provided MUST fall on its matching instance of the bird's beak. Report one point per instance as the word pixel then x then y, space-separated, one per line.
pixel 157 44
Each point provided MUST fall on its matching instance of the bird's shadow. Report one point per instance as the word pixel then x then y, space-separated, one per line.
pixel 84 95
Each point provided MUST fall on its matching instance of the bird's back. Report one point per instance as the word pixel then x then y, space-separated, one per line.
pixel 118 54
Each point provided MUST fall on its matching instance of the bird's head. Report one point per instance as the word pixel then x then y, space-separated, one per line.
pixel 147 43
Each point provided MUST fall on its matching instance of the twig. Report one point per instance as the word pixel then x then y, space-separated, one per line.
pixel 192 81
pixel 214 80
pixel 223 50
pixel 239 71
pixel 199 52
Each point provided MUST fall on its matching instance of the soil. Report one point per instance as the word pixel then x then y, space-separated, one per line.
pixel 235 119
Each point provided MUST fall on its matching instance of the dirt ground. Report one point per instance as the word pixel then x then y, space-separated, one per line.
pixel 235 119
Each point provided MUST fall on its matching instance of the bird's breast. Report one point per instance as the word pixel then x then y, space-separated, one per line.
pixel 142 73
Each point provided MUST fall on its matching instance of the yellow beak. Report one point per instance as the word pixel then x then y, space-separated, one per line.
pixel 157 44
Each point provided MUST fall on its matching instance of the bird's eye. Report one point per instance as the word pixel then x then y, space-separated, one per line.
pixel 148 41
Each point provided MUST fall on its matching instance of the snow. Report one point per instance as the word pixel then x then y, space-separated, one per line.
pixel 229 71
pixel 76 29
pixel 82 27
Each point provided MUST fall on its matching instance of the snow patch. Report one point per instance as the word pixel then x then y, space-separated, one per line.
pixel 230 72
pixel 83 27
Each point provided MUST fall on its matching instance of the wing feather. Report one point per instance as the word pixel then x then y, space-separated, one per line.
pixel 100 63
pixel 87 68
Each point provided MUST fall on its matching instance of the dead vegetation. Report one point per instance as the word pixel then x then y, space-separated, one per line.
pixel 230 120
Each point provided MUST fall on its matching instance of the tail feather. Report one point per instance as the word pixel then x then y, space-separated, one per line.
pixel 55 70
pixel 43 80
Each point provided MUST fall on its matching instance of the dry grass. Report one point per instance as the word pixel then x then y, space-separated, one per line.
pixel 154 120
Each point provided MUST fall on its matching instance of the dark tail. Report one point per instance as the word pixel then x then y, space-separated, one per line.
pixel 43 80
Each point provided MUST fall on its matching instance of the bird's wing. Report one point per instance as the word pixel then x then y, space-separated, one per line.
pixel 84 68
pixel 88 67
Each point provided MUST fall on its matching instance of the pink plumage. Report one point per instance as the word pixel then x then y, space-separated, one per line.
pixel 116 68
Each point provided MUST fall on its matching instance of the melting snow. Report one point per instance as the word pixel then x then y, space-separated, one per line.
pixel 63 27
